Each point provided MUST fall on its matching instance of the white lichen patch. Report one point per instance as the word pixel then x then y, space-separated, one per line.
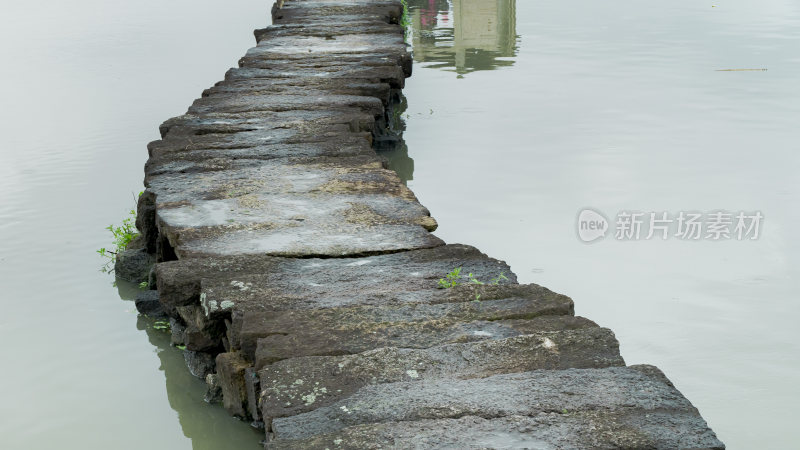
pixel 344 408
pixel 412 373
pixel 226 304
pixel 203 303
pixel 481 333
pixel 549 344
pixel 241 285
pixel 311 397
pixel 298 382
pixel 337 441
pixel 209 306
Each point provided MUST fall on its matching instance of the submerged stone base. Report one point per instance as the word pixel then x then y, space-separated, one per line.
pixel 302 276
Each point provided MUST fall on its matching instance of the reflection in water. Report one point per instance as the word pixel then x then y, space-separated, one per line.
pixel 468 35
pixel 126 289
pixel 208 426
pixel 397 159
pixel 394 152
pixel 460 35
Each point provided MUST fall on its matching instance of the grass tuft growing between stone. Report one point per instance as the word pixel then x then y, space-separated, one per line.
pixel 122 234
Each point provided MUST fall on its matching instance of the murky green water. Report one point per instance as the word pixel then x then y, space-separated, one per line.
pixel 521 113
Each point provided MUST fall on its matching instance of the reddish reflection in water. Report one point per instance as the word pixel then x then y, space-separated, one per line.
pixel 464 35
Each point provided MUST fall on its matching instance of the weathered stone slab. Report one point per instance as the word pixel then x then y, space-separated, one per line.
pixel 373 33
pixel 267 54
pixel 467 302
pixel 383 279
pixel 266 135
pixel 268 85
pixel 298 225
pixel 347 39
pixel 334 12
pixel 307 327
pixel 423 334
pixel 316 120
pixel 394 76
pixel 546 431
pixel 264 59
pixel 282 102
pixel 266 149
pixel 195 163
pixel 596 397
pixel 333 206
pixel 299 385
pixel 277 177
pixel 211 159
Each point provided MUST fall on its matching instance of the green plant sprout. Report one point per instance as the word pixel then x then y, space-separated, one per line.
pixel 474 280
pixel 451 279
pixel 123 235
pixel 495 281
pixel 144 285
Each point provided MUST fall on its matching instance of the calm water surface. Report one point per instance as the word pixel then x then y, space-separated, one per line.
pixel 521 113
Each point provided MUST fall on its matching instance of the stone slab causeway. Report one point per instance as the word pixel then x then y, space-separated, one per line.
pixel 302 276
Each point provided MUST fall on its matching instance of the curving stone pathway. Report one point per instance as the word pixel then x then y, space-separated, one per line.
pixel 302 276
